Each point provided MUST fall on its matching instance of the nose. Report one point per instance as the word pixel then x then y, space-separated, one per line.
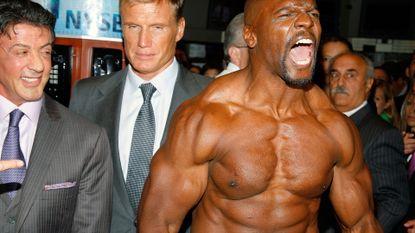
pixel 304 20
pixel 144 38
pixel 37 63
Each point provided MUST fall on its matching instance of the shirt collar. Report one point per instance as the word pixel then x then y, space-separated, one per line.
pixel 353 111
pixel 164 81
pixel 31 109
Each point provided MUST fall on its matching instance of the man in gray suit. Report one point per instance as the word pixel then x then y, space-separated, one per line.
pixel 65 184
pixel 350 79
pixel 151 30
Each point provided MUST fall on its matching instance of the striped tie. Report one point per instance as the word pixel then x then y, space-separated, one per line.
pixel 11 150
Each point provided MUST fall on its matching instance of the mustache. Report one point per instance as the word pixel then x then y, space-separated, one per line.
pixel 339 90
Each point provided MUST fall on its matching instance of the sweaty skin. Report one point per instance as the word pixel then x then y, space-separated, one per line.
pixel 255 151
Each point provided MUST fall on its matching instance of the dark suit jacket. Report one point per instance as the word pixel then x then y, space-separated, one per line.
pixel 67 148
pixel 383 153
pixel 99 99
pixel 411 211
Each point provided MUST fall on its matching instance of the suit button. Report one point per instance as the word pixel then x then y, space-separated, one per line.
pixel 135 222
pixel 11 221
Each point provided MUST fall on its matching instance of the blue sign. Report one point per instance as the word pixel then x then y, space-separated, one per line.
pixel 85 18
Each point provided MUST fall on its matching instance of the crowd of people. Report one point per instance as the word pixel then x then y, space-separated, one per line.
pixel 299 133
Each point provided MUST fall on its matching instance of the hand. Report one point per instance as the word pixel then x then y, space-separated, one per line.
pixel 409 142
pixel 410 226
pixel 9 164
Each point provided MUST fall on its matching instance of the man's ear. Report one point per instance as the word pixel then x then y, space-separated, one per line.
pixel 249 36
pixel 180 29
pixel 369 84
pixel 234 54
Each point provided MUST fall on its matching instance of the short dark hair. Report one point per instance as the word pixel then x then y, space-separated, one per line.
pixel 177 4
pixel 14 12
pixel 336 38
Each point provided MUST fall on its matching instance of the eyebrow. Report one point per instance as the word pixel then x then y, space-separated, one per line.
pixel 28 46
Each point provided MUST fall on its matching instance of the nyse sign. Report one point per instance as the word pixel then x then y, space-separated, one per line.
pixel 103 22
pixel 98 19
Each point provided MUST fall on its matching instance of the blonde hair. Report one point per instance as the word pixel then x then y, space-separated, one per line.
pixel 177 4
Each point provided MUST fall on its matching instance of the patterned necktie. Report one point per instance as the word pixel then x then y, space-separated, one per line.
pixel 141 147
pixel 11 150
pixel 411 166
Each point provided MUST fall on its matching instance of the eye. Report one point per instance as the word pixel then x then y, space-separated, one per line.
pixel 334 75
pixel 315 14
pixel 47 53
pixel 158 27
pixel 350 75
pixel 21 52
pixel 132 27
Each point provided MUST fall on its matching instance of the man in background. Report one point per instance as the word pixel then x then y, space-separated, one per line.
pixel 136 104
pixel 65 184
pixel 351 77
pixel 330 47
pixel 234 46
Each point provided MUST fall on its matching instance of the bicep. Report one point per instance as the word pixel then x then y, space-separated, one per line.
pixel 351 190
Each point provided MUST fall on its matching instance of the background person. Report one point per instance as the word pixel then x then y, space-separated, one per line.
pixel 330 47
pixel 135 105
pixel 66 182
pixel 234 46
pixel 351 78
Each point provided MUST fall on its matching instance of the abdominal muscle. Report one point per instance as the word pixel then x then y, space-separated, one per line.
pixel 271 211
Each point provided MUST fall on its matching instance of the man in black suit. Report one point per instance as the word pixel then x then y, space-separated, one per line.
pixel 151 30
pixel 351 77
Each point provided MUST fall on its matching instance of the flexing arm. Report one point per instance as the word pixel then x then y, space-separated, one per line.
pixel 351 190
pixel 178 172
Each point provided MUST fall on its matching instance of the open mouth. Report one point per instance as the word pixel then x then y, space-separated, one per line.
pixel 301 52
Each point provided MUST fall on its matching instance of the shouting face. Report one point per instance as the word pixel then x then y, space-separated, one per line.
pixel 284 35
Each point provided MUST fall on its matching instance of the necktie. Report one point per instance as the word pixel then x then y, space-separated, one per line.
pixel 411 166
pixel 11 150
pixel 141 147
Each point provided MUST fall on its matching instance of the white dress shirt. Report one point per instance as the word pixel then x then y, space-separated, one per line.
pixel 27 125
pixel 131 103
pixel 229 69
pixel 353 111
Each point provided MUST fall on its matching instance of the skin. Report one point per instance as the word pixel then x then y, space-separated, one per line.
pixel 349 73
pixel 328 51
pixel 380 74
pixel 410 226
pixel 409 115
pixel 25 62
pixel 242 152
pixel 239 56
pixel 410 70
pixel 211 72
pixel 10 164
pixel 150 33
pixel 380 100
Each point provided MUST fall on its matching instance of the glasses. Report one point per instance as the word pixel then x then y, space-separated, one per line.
pixel 241 47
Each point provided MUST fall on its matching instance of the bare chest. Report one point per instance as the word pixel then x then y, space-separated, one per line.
pixel 263 154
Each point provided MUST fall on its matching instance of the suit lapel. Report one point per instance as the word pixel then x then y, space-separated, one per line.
pixel 46 142
pixel 184 89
